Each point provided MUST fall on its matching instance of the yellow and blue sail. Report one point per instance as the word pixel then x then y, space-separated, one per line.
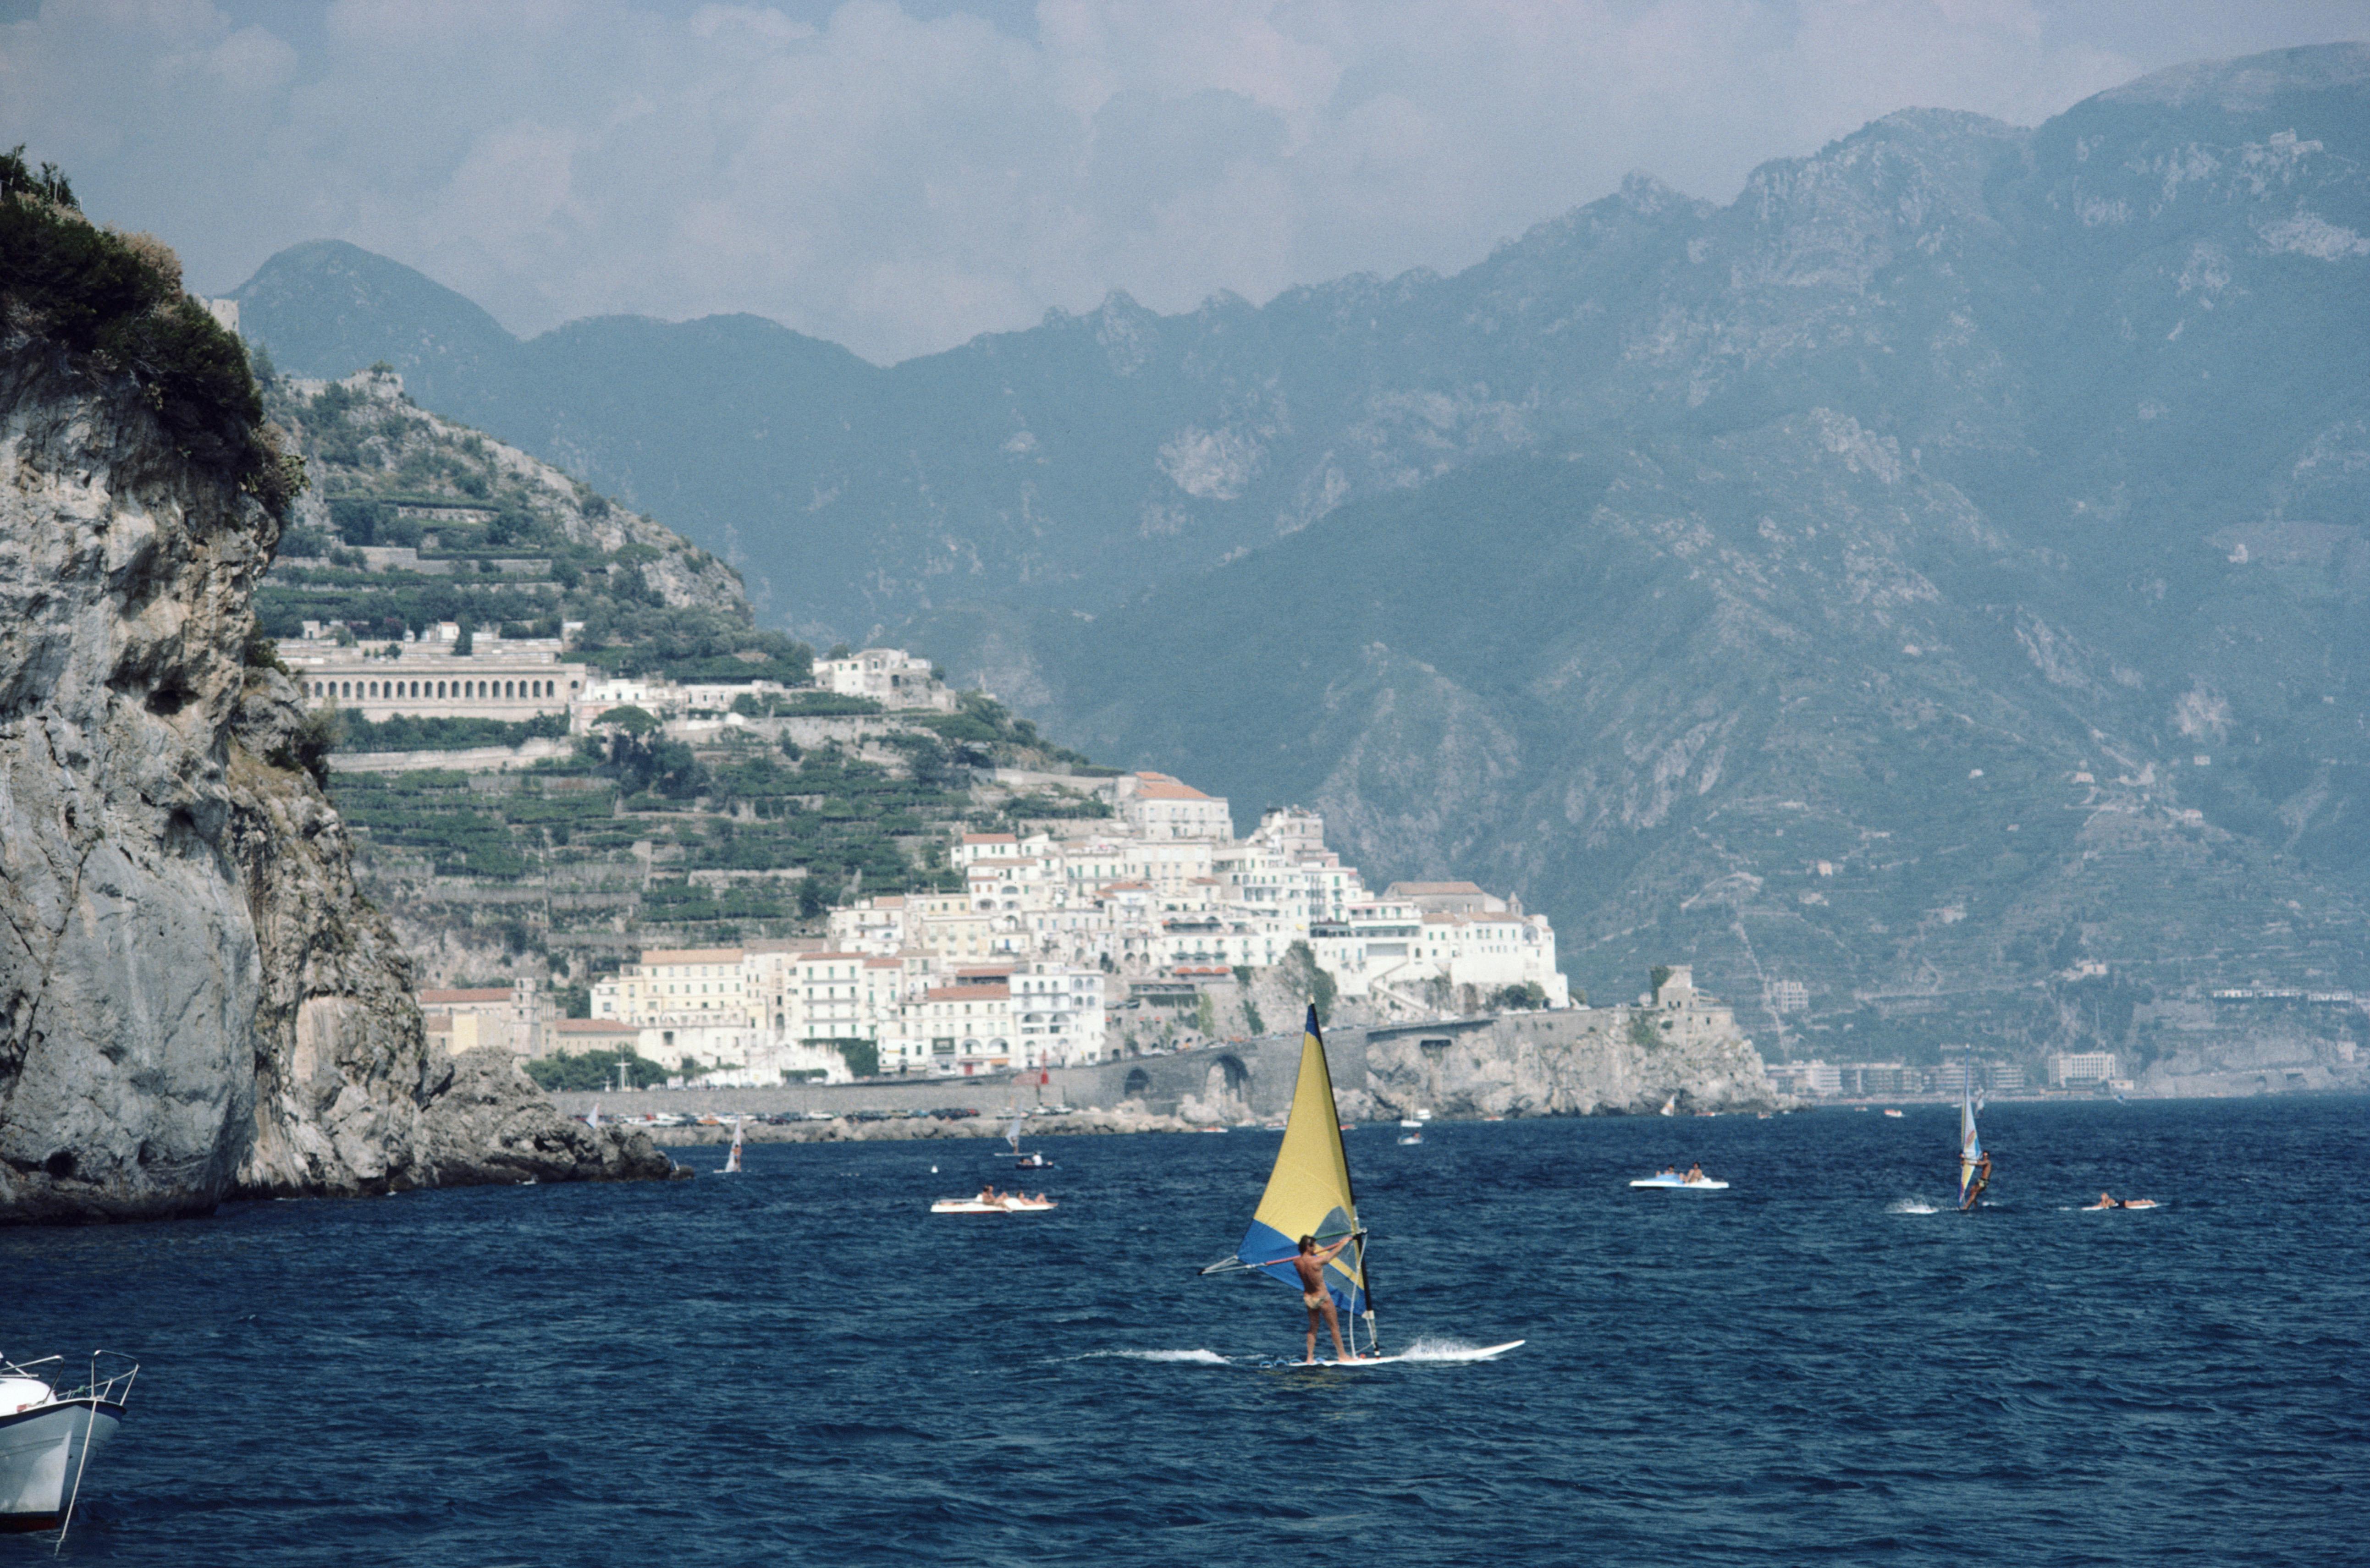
pixel 1971 1146
pixel 1308 1192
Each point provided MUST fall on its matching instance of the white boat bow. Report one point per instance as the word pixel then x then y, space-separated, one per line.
pixel 47 1437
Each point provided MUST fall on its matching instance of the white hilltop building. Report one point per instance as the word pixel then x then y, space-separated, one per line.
pixel 500 678
pixel 889 676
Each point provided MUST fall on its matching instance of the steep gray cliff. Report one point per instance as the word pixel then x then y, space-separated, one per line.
pixel 194 1001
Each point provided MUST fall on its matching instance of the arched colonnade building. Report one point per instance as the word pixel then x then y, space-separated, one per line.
pixel 499 682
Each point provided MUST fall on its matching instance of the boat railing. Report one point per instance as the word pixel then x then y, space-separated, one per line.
pixel 109 1382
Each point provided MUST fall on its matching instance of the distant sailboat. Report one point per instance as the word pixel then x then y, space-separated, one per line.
pixel 732 1155
pixel 594 1121
pixel 1975 1165
pixel 1030 1162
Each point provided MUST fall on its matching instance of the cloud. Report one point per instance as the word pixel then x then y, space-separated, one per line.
pixel 899 179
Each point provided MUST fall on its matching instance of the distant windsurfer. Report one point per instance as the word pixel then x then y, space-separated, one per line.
pixel 1310 1266
pixel 1975 1188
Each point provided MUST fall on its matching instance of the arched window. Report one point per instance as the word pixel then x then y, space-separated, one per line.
pixel 439 688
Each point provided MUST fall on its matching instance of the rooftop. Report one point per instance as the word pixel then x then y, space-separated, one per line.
pixel 1160 786
pixel 691 955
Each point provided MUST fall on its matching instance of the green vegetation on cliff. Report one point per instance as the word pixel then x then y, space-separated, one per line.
pixel 118 297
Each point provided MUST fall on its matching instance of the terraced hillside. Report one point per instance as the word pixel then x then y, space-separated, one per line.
pixel 551 855
pixel 412 520
pixel 569 864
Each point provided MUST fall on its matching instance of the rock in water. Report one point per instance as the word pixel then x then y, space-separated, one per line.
pixel 195 1001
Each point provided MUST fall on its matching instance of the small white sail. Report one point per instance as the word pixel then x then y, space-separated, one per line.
pixel 733 1156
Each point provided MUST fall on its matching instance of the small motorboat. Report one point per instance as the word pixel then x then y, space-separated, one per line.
pixel 999 1203
pixel 1671 1179
pixel 1893 1114
pixel 1415 1136
pixel 47 1437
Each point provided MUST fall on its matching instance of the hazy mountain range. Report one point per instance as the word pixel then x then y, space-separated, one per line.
pixel 1935 576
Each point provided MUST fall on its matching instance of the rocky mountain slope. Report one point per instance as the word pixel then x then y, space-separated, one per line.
pixel 498 537
pixel 194 1000
pixel 1933 578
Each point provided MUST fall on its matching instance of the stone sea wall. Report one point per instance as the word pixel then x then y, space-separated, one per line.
pixel 1578 1061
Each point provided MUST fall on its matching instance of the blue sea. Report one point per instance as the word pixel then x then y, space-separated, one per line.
pixel 803 1365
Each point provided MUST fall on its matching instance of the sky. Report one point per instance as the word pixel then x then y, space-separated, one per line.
pixel 899 177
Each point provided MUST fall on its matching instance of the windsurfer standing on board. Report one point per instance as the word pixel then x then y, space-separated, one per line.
pixel 1310 1266
pixel 1983 1179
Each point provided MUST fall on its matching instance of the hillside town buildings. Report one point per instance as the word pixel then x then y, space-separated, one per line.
pixel 519 1018
pixel 513 679
pixel 1021 967
pixel 1874 1079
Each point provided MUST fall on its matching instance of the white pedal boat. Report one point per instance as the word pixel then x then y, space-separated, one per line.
pixel 1700 1184
pixel 1008 1205
pixel 47 1438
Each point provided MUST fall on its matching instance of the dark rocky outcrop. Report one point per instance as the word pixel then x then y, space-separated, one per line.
pixel 195 1001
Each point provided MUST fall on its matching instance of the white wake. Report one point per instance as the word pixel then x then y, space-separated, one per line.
pixel 1198 1358
pixel 1910 1205
pixel 1431 1349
